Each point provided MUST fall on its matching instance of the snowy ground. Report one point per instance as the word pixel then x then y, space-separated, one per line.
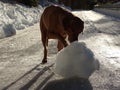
pixel 21 55
pixel 14 17
pixel 105 32
pixel 113 12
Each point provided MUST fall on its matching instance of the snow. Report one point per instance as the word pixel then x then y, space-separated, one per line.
pixel 115 12
pixel 76 60
pixel 105 32
pixel 17 17
pixel 74 83
pixel 109 52
pixel 25 51
pixel 9 29
pixel 118 3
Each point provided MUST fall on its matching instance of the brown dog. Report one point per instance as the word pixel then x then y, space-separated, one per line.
pixel 58 23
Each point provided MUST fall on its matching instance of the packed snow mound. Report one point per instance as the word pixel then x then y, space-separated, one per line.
pixel 76 60
pixel 17 17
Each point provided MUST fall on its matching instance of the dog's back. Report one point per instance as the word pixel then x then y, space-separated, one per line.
pixel 52 18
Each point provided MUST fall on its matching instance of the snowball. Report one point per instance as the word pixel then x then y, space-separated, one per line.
pixel 2 34
pixel 9 30
pixel 76 60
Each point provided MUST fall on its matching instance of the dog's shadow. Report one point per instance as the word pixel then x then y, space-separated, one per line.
pixel 74 83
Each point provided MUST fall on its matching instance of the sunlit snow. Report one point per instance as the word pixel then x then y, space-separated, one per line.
pixel 76 60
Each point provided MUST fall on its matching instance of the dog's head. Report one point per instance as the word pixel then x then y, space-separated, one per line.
pixel 73 27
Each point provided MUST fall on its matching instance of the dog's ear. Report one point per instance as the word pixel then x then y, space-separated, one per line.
pixel 72 24
pixel 66 23
pixel 77 24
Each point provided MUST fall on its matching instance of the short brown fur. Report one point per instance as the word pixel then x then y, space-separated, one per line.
pixel 58 23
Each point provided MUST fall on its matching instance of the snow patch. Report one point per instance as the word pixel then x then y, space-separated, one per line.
pixel 113 13
pixel 104 47
pixel 17 17
pixel 7 30
pixel 118 3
